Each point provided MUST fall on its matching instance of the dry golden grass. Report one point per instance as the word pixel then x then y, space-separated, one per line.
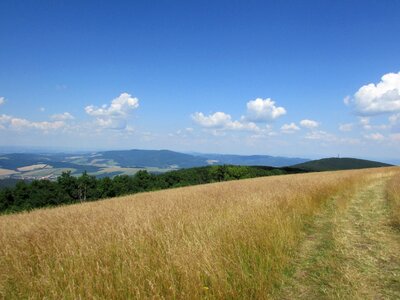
pixel 349 251
pixel 225 240
pixel 393 194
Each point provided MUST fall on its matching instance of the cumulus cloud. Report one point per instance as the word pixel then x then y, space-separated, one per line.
pixel 290 128
pixel 113 116
pixel 221 120
pixel 365 123
pixel 11 122
pixel 111 123
pixel 380 98
pixel 2 100
pixel 4 121
pixel 375 136
pixel 258 111
pixel 320 135
pixel 62 117
pixel 216 120
pixel 119 106
pixel 263 110
pixel 310 124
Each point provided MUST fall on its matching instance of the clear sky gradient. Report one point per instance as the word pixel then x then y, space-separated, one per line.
pixel 248 77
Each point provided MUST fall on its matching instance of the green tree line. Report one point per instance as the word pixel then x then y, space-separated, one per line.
pixel 69 189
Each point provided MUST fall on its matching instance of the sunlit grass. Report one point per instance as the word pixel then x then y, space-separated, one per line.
pixel 224 240
pixel 393 193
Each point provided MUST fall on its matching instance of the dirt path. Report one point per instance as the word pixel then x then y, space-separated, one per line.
pixel 350 252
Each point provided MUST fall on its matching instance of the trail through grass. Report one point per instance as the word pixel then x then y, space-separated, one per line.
pixel 351 251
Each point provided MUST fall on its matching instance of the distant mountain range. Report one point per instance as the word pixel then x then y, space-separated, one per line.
pixel 252 160
pixel 111 163
pixel 167 158
pixel 333 164
pixel 127 162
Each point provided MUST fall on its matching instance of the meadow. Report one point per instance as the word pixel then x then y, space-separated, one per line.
pixel 228 240
pixel 393 194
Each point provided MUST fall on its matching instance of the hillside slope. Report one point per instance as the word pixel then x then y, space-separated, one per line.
pixel 207 241
pixel 334 164
pixel 153 158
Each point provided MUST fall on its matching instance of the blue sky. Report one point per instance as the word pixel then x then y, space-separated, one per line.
pixel 248 77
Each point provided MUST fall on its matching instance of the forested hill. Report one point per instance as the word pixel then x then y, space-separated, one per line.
pixel 334 163
pixel 71 189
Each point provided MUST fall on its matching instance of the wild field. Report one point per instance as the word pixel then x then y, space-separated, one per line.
pixel 393 194
pixel 283 237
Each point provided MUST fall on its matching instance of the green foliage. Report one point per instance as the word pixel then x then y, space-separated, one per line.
pixel 70 189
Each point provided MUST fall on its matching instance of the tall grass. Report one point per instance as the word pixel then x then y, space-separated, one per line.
pixel 393 194
pixel 224 240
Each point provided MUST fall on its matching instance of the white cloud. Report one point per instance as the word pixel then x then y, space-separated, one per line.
pixel 5 119
pixel 347 100
pixel 10 122
pixel 258 110
pixel 366 125
pixel 114 116
pixel 42 109
pixel 2 100
pixel 222 121
pixel 236 125
pixel 263 110
pixel 320 135
pixel 216 120
pixel 290 128
pixel 394 119
pixel 310 124
pixel 375 136
pixel 346 127
pixel 62 117
pixel 364 121
pixel 111 123
pixel 380 98
pixel 183 132
pixel 119 106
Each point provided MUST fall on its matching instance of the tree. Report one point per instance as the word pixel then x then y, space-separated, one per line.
pixel 142 181
pixel 44 193
pixel 69 186
pixel 105 188
pixel 6 199
pixel 122 185
pixel 22 195
pixel 86 186
pixel 218 172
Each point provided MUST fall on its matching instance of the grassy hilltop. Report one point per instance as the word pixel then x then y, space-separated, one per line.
pixel 293 236
pixel 334 164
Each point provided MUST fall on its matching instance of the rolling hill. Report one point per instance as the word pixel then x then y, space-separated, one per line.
pixel 153 158
pixel 334 164
pixel 253 160
pixel 127 162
